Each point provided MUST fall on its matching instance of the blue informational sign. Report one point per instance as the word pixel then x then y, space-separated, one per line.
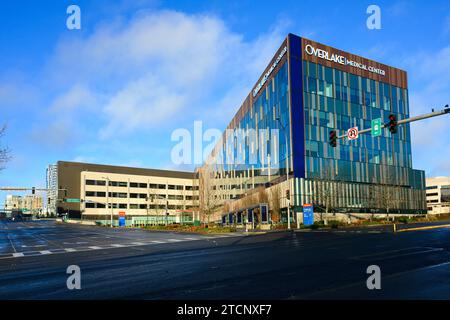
pixel 224 219
pixel 230 218
pixel 121 221
pixel 308 214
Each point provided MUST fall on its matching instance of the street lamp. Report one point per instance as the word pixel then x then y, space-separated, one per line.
pixel 107 199
pixel 287 174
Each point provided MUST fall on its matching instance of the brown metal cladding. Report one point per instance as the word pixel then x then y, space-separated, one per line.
pixel 393 76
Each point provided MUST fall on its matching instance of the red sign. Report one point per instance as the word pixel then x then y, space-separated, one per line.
pixel 121 213
pixel 352 133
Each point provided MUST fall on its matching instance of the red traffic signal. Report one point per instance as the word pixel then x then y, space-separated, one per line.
pixel 333 138
pixel 392 123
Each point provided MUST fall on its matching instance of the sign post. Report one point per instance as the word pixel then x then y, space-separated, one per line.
pixel 376 127
pixel 122 222
pixel 308 214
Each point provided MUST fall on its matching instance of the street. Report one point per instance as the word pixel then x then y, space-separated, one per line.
pixel 138 264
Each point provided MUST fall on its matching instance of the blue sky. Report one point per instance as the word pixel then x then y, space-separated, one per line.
pixel 114 91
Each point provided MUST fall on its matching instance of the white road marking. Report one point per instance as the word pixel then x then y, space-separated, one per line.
pixel 138 243
pixel 45 252
pixel 94 248
pixel 156 241
pixel 70 249
pixel 190 238
pixel 17 254
pixel 117 245
pixel 174 240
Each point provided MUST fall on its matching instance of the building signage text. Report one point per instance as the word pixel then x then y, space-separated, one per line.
pixel 336 58
pixel 266 76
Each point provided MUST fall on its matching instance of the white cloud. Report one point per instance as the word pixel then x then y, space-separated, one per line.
pixel 158 68
pixel 429 79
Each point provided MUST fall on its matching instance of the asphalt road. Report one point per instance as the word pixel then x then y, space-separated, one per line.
pixel 136 264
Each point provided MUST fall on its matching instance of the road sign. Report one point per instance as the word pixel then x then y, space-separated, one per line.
pixel 352 133
pixel 308 214
pixel 376 127
pixel 72 200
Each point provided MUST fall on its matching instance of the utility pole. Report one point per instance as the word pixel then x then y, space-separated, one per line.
pixel 107 199
pixel 287 175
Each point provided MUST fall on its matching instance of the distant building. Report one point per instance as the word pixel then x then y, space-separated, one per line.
pixel 438 195
pixel 94 192
pixel 52 186
pixel 26 204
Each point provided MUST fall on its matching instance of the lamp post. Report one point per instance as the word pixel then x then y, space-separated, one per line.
pixel 287 174
pixel 107 199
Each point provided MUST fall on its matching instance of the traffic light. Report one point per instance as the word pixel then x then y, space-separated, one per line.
pixel 48 200
pixel 288 194
pixel 392 123
pixel 333 138
pixel 33 190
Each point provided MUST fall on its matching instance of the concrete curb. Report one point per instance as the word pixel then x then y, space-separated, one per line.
pixel 424 228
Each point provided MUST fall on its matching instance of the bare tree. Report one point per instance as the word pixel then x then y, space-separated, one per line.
pixel 275 203
pixel 326 190
pixel 4 152
pixel 388 193
pixel 210 201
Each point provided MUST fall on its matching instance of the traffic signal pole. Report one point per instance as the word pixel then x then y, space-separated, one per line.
pixel 446 110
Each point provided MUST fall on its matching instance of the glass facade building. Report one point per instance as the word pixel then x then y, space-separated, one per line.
pixel 282 130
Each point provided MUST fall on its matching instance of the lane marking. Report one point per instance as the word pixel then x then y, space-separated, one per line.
pixel 138 243
pixel 94 248
pixel 70 249
pixel 117 245
pixel 174 240
pixel 156 241
pixel 45 252
pixel 17 254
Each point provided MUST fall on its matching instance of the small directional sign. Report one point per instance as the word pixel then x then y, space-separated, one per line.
pixel 376 127
pixel 72 200
pixel 352 133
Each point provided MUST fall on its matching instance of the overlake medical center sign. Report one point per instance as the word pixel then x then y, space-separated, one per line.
pixel 351 63
pixel 320 53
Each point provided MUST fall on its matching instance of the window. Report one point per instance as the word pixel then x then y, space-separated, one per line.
pixel 122 205
pixel 133 195
pixel 90 205
pixel 90 182
pixel 133 206
pixel 153 186
pixel 179 187
pixel 142 185
pixel 171 187
pixel 90 193
pixel 161 186
pixel 142 206
pixel 101 194
pixel 142 196
pixel 133 184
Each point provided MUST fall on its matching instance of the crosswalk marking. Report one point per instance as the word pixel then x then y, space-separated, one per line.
pixel 111 246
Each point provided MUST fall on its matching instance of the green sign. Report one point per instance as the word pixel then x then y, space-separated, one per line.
pixel 376 127
pixel 72 200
